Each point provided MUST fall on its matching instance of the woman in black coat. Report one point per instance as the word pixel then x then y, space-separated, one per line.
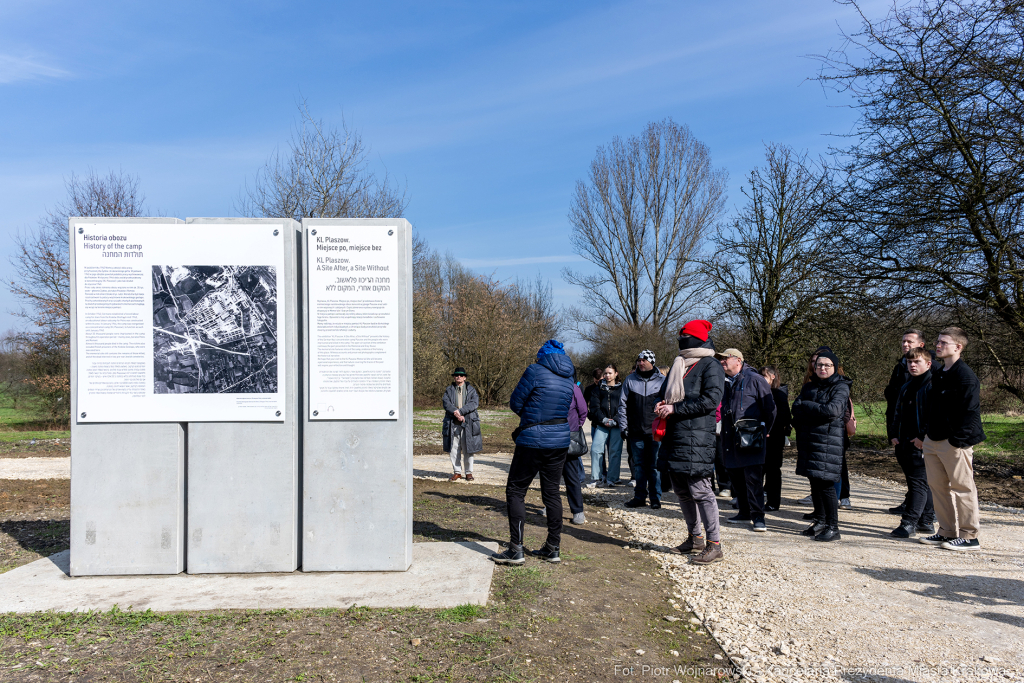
pixel 819 418
pixel 776 440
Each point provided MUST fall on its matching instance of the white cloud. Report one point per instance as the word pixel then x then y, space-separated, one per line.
pixel 14 69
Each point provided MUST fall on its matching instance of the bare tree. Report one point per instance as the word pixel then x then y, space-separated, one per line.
pixel 491 328
pixel 933 208
pixel 767 269
pixel 41 264
pixel 323 175
pixel 642 217
pixel 41 259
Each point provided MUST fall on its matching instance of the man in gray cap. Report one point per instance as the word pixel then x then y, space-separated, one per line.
pixel 461 427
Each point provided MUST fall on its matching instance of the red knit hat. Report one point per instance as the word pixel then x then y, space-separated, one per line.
pixel 696 328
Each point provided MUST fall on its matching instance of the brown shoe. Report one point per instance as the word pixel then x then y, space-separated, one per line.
pixel 712 553
pixel 469 476
pixel 455 477
pixel 692 544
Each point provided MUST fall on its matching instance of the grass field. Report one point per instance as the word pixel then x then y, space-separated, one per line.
pixel 26 421
pixel 1004 435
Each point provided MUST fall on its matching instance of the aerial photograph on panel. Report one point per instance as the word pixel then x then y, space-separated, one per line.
pixel 214 330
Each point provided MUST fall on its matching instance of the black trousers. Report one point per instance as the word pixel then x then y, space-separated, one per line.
pixel 919 508
pixel 748 488
pixel 527 463
pixel 773 476
pixel 721 473
pixel 826 504
pixel 572 475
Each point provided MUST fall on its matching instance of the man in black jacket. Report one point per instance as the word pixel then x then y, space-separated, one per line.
pixel 640 393
pixel 912 339
pixel 909 425
pixel 954 428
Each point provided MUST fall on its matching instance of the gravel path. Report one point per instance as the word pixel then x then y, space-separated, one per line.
pixel 35 468
pixel 866 608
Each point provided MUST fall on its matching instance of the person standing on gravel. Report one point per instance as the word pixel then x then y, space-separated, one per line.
pixel 690 396
pixel 572 471
pixel 912 339
pixel 819 416
pixel 746 404
pixel 460 430
pixel 605 432
pixel 954 429
pixel 541 400
pixel 776 440
pixel 640 393
pixel 909 424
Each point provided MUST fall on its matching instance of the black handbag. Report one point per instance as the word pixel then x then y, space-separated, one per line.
pixel 749 434
pixel 578 443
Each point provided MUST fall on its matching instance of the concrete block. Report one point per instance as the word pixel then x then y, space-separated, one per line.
pixel 243 478
pixel 357 474
pixel 442 575
pixel 127 482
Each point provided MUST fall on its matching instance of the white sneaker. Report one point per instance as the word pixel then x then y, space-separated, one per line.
pixel 632 482
pixel 579 518
pixel 591 485
pixel 806 501
pixel 725 493
pixel 845 504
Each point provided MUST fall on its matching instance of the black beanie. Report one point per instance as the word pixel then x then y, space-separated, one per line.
pixel 826 352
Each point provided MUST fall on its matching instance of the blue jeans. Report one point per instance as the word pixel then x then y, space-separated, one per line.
pixel 611 436
pixel 645 469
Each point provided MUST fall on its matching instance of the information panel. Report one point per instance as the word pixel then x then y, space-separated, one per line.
pixel 179 323
pixel 353 322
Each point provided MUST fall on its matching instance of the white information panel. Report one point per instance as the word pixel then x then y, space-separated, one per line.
pixel 179 323
pixel 353 322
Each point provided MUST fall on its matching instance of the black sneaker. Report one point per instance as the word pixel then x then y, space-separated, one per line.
pixel 926 528
pixel 547 553
pixel 739 519
pixel 814 529
pixel 898 510
pixel 655 506
pixel 759 525
pixel 809 515
pixel 828 534
pixel 636 503
pixel 771 508
pixel 903 531
pixel 512 555
pixel 961 544
pixel 934 539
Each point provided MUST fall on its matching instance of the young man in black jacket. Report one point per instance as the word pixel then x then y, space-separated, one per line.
pixel 909 426
pixel 954 428
pixel 912 339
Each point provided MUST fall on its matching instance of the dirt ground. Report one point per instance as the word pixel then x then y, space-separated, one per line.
pixel 997 482
pixel 42 448
pixel 603 607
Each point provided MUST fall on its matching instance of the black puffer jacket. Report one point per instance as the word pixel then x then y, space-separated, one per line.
pixel 689 444
pixel 604 403
pixel 819 419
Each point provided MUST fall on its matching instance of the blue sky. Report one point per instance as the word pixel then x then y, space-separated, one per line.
pixel 487 113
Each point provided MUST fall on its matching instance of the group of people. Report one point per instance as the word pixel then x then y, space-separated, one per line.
pixel 711 415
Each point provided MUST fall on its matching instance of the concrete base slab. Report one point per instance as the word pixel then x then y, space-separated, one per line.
pixel 441 575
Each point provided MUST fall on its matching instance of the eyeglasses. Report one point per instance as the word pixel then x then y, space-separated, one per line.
pixel 824 367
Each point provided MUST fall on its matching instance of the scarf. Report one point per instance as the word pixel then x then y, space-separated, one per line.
pixel 687 358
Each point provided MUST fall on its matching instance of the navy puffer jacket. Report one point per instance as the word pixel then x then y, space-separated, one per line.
pixel 747 396
pixel 819 416
pixel 544 393
pixel 689 444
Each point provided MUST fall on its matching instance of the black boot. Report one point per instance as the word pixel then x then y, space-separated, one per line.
pixel 814 529
pixel 830 533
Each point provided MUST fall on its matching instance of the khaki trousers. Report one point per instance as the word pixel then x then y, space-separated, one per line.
pixel 950 473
